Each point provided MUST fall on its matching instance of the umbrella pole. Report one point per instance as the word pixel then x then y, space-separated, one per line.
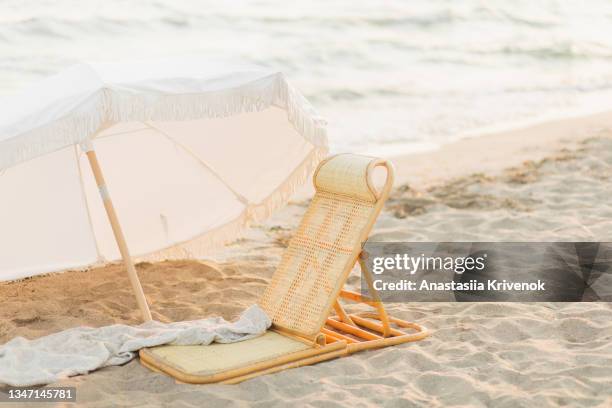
pixel 114 221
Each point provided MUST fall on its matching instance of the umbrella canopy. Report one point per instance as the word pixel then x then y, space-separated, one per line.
pixel 191 154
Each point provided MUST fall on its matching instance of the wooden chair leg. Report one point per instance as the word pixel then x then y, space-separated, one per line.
pixel 384 318
pixel 355 331
pixel 337 336
pixel 342 314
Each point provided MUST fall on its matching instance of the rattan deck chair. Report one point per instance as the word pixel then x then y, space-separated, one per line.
pixel 306 289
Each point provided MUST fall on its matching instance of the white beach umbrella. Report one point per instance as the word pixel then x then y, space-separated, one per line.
pixel 187 153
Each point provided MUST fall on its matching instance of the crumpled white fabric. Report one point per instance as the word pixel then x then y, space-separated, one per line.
pixel 80 350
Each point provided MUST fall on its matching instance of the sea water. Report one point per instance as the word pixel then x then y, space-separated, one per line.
pixel 389 76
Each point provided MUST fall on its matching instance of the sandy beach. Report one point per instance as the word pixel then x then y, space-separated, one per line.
pixel 549 182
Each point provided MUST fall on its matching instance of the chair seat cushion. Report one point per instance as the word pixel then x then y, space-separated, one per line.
pixel 218 358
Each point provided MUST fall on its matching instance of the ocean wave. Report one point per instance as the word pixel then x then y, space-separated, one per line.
pixel 540 21
pixel 58 26
pixel 417 68
pixel 559 50
pixel 331 94
pixel 41 27
pixel 438 18
pixel 50 28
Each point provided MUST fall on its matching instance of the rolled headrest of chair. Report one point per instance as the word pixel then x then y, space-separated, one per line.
pixel 351 175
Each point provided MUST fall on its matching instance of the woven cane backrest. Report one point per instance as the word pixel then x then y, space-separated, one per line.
pixel 325 246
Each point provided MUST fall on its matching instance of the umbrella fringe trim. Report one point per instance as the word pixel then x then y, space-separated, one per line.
pixel 113 105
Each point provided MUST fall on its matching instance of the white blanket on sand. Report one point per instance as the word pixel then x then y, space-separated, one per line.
pixel 80 350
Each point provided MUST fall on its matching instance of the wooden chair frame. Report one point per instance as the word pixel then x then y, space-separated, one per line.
pixel 360 330
pixel 368 330
pixel 337 334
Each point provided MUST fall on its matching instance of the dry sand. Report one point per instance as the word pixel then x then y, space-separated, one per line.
pixel 480 354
